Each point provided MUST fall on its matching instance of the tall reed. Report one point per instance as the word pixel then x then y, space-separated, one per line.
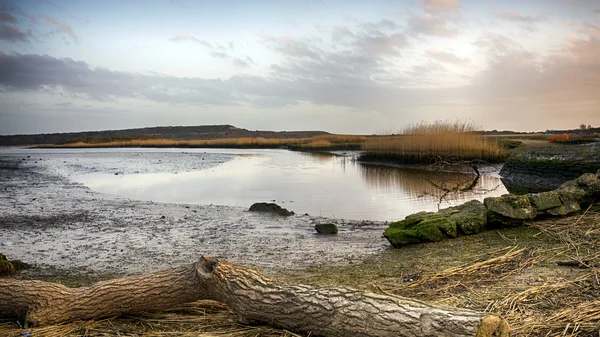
pixel 424 142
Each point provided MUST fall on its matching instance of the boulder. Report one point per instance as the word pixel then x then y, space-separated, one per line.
pixel 468 218
pixel 545 200
pixel 590 184
pixel 508 210
pixel 326 228
pixel 267 207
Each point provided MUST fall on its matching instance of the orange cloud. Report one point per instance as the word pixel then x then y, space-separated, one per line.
pixel 62 27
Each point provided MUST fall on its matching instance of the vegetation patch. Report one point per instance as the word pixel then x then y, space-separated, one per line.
pixel 427 142
pixel 11 267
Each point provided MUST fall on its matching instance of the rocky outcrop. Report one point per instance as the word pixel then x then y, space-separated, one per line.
pixel 326 228
pixel 568 198
pixel 466 219
pixel 507 210
pixel 547 167
pixel 267 207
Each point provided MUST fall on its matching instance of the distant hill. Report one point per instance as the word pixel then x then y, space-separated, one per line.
pixel 169 132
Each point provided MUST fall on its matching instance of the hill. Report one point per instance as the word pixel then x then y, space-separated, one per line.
pixel 168 132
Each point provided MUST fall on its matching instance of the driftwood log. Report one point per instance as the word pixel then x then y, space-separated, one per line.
pixel 253 297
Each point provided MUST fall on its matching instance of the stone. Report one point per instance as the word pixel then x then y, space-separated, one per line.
pixel 545 200
pixel 570 191
pixel 509 209
pixel 326 228
pixel 268 207
pixel 564 209
pixel 590 183
pixel 468 218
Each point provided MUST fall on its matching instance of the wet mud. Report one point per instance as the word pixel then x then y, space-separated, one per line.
pixel 49 220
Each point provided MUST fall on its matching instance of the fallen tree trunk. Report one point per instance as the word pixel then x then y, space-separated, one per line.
pixel 253 297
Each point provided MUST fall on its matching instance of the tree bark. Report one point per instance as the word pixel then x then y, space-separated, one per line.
pixel 254 298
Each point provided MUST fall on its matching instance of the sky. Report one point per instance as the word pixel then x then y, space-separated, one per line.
pixel 343 66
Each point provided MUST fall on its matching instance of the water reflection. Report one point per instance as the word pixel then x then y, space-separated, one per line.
pixel 314 183
pixel 448 187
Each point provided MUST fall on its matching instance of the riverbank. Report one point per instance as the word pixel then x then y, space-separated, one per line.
pixel 48 220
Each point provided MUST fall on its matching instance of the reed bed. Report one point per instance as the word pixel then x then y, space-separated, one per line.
pixel 249 142
pixel 427 142
pixel 317 142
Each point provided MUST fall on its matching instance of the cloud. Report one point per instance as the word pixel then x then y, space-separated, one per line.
pixel 437 6
pixel 11 33
pixel 518 17
pixel 341 33
pixel 219 54
pixel 61 27
pixel 445 56
pixel 430 25
pixel 243 63
pixel 293 47
pixel 383 24
pixel 185 37
pixel 7 17
pixel 381 44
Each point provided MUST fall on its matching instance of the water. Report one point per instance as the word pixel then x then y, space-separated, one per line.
pixel 314 183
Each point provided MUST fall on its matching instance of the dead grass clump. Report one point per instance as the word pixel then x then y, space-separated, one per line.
pixel 422 143
pixel 450 282
pixel 202 318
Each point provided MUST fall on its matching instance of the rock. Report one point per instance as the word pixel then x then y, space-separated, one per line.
pixel 545 200
pixel 326 228
pixel 267 207
pixel 10 267
pixel 590 184
pixel 468 218
pixel 509 209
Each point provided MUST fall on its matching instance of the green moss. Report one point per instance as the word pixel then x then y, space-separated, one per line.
pixel 403 237
pixel 10 267
pixel 6 268
pixel 468 218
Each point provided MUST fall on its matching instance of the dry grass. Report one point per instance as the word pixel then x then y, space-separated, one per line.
pixel 316 142
pixel 223 142
pixel 422 143
pixel 524 285
pixel 198 319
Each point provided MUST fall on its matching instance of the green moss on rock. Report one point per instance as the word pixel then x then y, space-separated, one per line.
pixel 468 218
pixel 509 209
pixel 545 200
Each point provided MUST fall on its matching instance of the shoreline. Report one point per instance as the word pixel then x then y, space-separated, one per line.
pixel 48 220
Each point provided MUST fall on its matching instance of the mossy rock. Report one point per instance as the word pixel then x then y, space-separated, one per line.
pixel 267 207
pixel 468 218
pixel 545 200
pixel 326 228
pixel 590 183
pixel 509 209
pixel 11 267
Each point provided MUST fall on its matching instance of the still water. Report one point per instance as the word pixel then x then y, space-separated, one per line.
pixel 314 183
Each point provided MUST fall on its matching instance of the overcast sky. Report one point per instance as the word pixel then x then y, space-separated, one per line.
pixel 340 66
